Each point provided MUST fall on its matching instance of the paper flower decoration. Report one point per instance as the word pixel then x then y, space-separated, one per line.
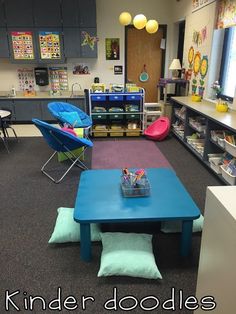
pixel 204 66
pixel 190 56
pixel 196 63
pixel 89 40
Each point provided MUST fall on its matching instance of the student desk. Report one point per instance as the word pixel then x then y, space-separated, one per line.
pixel 100 200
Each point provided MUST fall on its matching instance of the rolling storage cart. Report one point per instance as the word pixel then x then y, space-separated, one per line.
pixel 152 111
pixel 116 113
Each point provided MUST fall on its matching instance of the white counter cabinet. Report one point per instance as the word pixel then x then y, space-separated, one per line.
pixel 217 265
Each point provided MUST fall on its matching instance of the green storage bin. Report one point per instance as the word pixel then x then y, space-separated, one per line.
pixel 99 116
pixel 133 116
pixel 116 116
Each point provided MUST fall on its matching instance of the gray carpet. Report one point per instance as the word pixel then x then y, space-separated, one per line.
pixel 29 266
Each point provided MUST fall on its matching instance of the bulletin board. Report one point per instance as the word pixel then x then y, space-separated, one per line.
pixel 49 45
pixel 22 45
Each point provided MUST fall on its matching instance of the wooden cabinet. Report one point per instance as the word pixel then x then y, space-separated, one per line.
pixel 79 13
pixel 72 42
pixel 73 38
pixel 87 13
pixel 2 18
pixel 70 14
pixel 27 109
pixel 4 48
pixel 24 110
pixel 195 123
pixel 216 272
pixel 86 50
pixel 73 17
pixel 47 13
pixel 19 14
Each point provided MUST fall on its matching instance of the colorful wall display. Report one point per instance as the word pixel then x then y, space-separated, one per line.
pixel 22 45
pixel 89 40
pixel 198 4
pixel 81 69
pixel 112 48
pixel 58 78
pixel 200 36
pixel 226 13
pixel 198 65
pixel 49 45
pixel 26 79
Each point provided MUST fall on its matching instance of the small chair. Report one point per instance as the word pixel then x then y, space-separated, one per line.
pixel 159 129
pixel 68 114
pixel 62 142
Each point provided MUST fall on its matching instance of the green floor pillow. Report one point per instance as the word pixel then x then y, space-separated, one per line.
pixel 176 225
pixel 67 230
pixel 128 254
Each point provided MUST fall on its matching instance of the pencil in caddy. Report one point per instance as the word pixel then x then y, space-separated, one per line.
pixel 134 184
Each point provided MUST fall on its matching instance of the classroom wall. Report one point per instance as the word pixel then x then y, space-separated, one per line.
pixel 169 12
pixel 196 22
pixel 108 26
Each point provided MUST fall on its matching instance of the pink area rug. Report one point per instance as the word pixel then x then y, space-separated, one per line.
pixel 112 154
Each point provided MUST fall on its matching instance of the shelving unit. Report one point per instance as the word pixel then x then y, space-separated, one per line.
pixel 152 111
pixel 116 113
pixel 202 120
pixel 181 88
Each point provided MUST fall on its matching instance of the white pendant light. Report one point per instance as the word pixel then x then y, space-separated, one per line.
pixel 139 21
pixel 152 26
pixel 125 18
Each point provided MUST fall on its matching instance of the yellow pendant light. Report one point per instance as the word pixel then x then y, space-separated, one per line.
pixel 125 18
pixel 152 26
pixel 139 21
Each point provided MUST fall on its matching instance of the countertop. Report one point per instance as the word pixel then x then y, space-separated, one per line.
pixel 41 95
pixel 208 109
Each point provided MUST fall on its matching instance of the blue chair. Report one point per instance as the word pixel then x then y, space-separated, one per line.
pixel 62 142
pixel 65 112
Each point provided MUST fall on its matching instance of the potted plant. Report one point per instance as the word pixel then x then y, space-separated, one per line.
pixel 216 88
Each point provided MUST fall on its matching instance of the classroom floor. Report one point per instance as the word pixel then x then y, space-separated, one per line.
pixel 25 130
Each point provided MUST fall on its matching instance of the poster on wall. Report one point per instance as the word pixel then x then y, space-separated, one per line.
pixel 198 4
pixel 26 79
pixel 22 45
pixel 49 43
pixel 112 49
pixel 58 78
pixel 226 14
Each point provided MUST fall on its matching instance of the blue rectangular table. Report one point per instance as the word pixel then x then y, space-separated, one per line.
pixel 100 200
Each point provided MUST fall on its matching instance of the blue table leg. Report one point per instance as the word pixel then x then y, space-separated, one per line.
pixel 85 242
pixel 186 237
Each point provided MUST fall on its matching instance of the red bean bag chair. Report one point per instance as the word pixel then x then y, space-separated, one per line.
pixel 159 129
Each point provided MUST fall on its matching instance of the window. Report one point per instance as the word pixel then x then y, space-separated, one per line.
pixel 228 64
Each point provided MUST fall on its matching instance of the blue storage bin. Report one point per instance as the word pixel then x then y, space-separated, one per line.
pixel 98 98
pixel 116 97
pixel 133 97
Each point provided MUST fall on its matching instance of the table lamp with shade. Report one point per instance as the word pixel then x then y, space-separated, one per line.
pixel 175 67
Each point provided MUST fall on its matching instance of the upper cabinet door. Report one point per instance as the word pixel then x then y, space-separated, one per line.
pixel 88 47
pixel 47 13
pixel 79 13
pixel 87 13
pixel 2 18
pixel 69 9
pixel 4 49
pixel 72 43
pixel 19 14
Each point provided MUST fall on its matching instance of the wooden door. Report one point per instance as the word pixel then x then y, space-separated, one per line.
pixel 142 49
